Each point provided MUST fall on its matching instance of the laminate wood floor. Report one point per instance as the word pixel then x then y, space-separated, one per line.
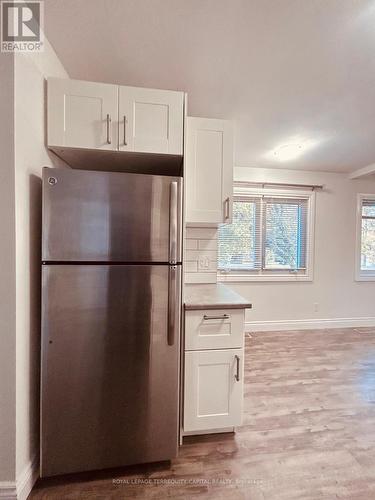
pixel 308 432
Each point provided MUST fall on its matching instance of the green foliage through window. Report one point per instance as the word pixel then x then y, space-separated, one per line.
pixel 266 234
pixel 368 236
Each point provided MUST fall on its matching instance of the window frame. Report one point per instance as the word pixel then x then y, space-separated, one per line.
pixel 278 275
pixel 360 274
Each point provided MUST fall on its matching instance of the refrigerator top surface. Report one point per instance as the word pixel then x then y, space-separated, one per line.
pixel 91 216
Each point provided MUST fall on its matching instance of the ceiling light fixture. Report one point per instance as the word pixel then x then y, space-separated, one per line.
pixel 289 151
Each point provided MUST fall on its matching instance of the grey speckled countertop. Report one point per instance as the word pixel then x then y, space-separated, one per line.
pixel 213 296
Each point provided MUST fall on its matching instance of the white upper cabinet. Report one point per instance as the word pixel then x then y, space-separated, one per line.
pixel 151 121
pixel 82 114
pixel 209 171
pixel 101 116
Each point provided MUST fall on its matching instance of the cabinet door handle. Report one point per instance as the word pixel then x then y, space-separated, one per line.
pixel 109 140
pixel 125 143
pixel 227 208
pixel 237 376
pixel 223 316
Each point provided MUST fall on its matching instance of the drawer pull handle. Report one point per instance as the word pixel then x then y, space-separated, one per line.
pixel 237 376
pixel 223 316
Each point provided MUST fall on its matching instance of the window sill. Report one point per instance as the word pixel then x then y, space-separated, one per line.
pixel 364 277
pixel 279 278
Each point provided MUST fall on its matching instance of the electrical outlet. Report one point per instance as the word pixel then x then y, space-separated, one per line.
pixel 203 262
pixel 316 307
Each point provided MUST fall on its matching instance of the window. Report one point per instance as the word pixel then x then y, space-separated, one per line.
pixel 270 237
pixel 366 238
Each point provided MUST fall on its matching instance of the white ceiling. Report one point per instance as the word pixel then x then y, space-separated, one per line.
pixel 285 70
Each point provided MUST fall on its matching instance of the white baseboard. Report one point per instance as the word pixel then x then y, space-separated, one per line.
pixel 20 489
pixel 8 490
pixel 27 479
pixel 308 324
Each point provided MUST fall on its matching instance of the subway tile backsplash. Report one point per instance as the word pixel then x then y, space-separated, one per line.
pixel 200 255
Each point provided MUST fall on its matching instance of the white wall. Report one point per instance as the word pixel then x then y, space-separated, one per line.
pixel 7 272
pixel 30 156
pixel 334 288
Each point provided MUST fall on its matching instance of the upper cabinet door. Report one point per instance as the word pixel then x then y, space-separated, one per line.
pixel 151 121
pixel 82 114
pixel 209 171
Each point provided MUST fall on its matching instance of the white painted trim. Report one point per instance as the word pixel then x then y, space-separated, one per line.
pixel 8 490
pixel 27 479
pixel 310 235
pixel 359 274
pixel 363 172
pixel 20 489
pixel 367 277
pixel 308 324
pixel 274 193
pixel 237 278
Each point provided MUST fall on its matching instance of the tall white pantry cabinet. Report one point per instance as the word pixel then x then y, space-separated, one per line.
pixel 214 338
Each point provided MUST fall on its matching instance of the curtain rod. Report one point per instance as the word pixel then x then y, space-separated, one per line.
pixel 313 187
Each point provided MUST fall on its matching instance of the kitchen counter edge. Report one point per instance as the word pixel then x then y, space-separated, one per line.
pixel 215 296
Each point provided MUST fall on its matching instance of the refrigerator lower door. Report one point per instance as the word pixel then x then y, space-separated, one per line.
pixel 110 374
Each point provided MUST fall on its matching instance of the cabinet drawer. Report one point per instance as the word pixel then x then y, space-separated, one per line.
pixel 214 329
pixel 213 389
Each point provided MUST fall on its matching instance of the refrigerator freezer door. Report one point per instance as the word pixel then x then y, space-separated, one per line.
pixel 110 216
pixel 110 383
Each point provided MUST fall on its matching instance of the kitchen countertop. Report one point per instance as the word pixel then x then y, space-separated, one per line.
pixel 213 296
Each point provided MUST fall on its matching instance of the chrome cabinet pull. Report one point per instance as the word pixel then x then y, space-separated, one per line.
pixel 237 376
pixel 125 143
pixel 109 140
pixel 227 208
pixel 223 316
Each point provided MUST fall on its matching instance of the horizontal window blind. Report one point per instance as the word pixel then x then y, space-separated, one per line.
pixel 268 234
pixel 368 236
pixel 239 242
pixel 285 224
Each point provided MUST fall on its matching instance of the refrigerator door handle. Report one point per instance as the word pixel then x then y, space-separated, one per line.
pixel 173 222
pixel 172 304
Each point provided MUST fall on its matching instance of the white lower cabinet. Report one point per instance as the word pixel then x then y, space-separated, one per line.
pixel 213 389
pixel 213 370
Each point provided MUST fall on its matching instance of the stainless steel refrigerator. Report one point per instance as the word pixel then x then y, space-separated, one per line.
pixel 111 300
